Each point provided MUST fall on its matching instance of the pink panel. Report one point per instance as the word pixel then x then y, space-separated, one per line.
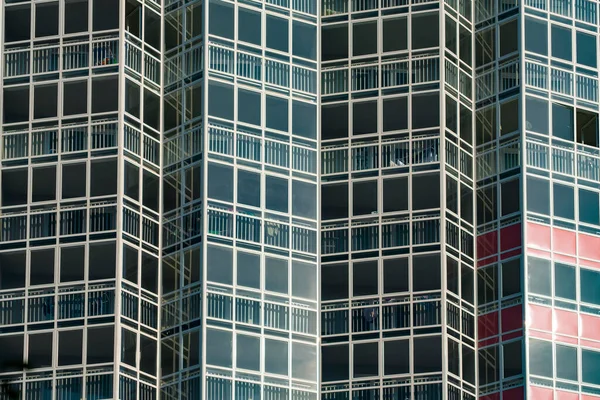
pixel 565 259
pixel 566 322
pixel 589 263
pixel 487 244
pixel 539 253
pixel 510 237
pixel 590 327
pixel 513 394
pixel 539 317
pixel 540 334
pixel 566 339
pixel 589 397
pixel 538 393
pixel 560 395
pixel 589 343
pixel 487 325
pixel 512 318
pixel 589 246
pixel 538 236
pixel 564 241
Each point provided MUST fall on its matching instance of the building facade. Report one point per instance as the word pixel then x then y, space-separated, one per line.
pixel 299 200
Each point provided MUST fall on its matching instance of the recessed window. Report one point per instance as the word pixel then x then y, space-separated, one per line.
pixel 364 197
pixel 513 358
pixel 395 194
pixel 334 121
pixel 42 267
pixel 425 191
pixel 249 26
pixel 565 281
pixel 536 36
pixel 562 121
pixel 248 269
pixel 364 38
pixel 102 260
pixel 562 46
pixel 76 16
pixel 44 184
pixel 16 104
pixel 587 128
pixel 17 23
pixel 334 281
pixel 425 110
pixel 564 201
pixel 509 38
pixel 365 278
pixel 334 201
pixel 426 272
pixel 277 33
pixel 425 30
pixel 105 15
pixel 586 49
pixel 366 360
pixel 46 19
pixel 276 274
pixel 395 114
pixel 304 40
pixel 395 275
pixel 220 264
pixel 334 42
pixel 427 354
pixel 395 34
pixel 14 187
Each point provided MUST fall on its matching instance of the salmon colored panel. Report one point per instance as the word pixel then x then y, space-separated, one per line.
pixel 565 259
pixel 493 396
pixel 487 325
pixel 589 397
pixel 510 254
pixel 512 335
pixel 560 395
pixel 487 261
pixel 589 263
pixel 487 244
pixel 513 394
pixel 538 393
pixel 540 334
pixel 538 253
pixel 539 317
pixel 590 327
pixel 512 318
pixel 589 343
pixel 566 322
pixel 538 236
pixel 510 237
pixel 564 241
pixel 566 339
pixel 589 246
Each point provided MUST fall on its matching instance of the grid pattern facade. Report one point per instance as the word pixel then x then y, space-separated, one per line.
pixel 299 200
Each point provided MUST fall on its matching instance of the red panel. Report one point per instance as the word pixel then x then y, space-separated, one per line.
pixel 589 246
pixel 487 244
pixel 566 322
pixel 566 339
pixel 487 261
pixel 487 325
pixel 512 318
pixel 539 317
pixel 538 236
pixel 513 394
pixel 493 396
pixel 560 395
pixel 489 342
pixel 590 327
pixel 510 237
pixel 509 254
pixel 564 241
pixel 538 393
pixel 512 335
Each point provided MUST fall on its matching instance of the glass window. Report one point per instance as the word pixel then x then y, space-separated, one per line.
pixel 12 270
pixel 590 367
pixel 304 199
pixel 276 274
pixel 335 362
pixel 276 193
pixel 395 34
pixel 590 282
pixel 586 49
pixel 219 347
pixel 540 358
pixel 366 361
pixel 536 111
pixel 334 281
pixel 508 38
pixel 249 26
pixel 364 198
pixel 220 182
pixel 248 269
pixel 536 36
pixel 451 35
pixel 276 357
pixel 220 264
pixel 589 207
pixel 513 359
pixel 334 121
pixel 465 38
pixel 425 110
pixel 425 191
pixel 395 194
pixel 539 275
pixel 562 121
pixel 538 195
pixel 248 188
pixel 304 361
pixel 395 114
pixel 426 272
pixel 334 42
pixel 221 19
pixel 365 278
pixel 510 196
pixel 565 281
pixel 509 116
pixel 248 352
pixel 395 275
pixel 220 100
pixel 249 107
pixel 76 16
pixel 304 119
pixel 70 347
pixel 562 46
pixel 304 280
pixel 487 281
pixel 277 113
pixel 334 201
pixel 425 30
pixel 304 40
pixel 427 354
pixel 564 201
pixel 364 117
pixel 364 38
pixel 277 33
pixel 566 363
pixel 396 355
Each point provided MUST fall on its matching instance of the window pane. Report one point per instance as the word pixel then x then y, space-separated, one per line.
pixel 539 275
pixel 590 282
pixel 536 36
pixel 565 281
pixel 540 358
pixel 566 362
pixel 590 367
